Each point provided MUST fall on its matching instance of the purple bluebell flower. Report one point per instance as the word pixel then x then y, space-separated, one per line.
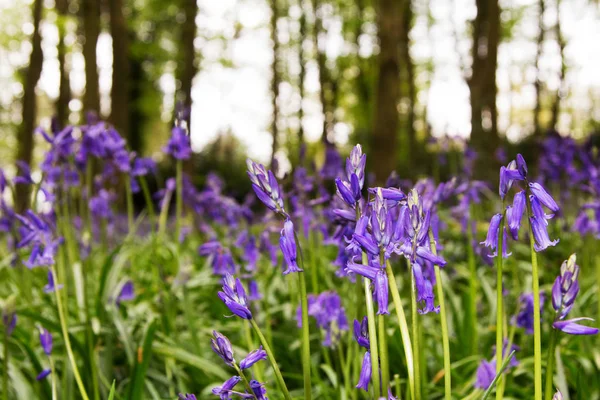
pixel 521 165
pixel 143 166
pixel 572 327
pixel 365 373
pixel 381 221
pixel 187 396
pixel 540 234
pixel 127 293
pixel 179 146
pixel 253 291
pixel 43 374
pixel 51 287
pixel 287 243
pixel 524 318
pixel 329 313
pixel 37 233
pixel 486 372
pixel 258 389
pixel 46 341
pixel 25 177
pixel 222 346
pixel 557 396
pixel 508 175
pixel 390 395
pixel 355 165
pixel 225 390
pixel 253 357
pixel 265 186
pixel 538 191
pixel 100 205
pixel 361 333
pixel 425 296
pixel 221 258
pixel 491 239
pixel 381 292
pixel 234 297
pixel 516 213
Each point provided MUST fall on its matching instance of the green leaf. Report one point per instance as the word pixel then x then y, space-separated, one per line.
pixel 111 394
pixel 183 356
pixel 143 360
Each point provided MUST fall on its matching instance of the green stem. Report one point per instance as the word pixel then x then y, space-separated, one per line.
pixel 403 326
pixel 537 332
pixel 499 300
pixel 129 199
pixel 244 379
pixel 149 203
pixel 372 334
pixel 305 324
pixel 443 322
pixel 415 332
pixel 550 365
pixel 53 379
pixel 278 376
pixel 5 362
pixel 383 354
pixel 178 199
pixel 65 331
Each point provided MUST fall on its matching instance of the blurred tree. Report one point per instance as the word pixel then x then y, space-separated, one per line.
pixel 90 14
pixel 561 91
pixel 29 116
pixel 187 67
pixel 324 81
pixel 538 80
pixel 385 129
pixel 302 74
pixel 408 82
pixel 482 82
pixel 64 92
pixel 275 79
pixel 121 71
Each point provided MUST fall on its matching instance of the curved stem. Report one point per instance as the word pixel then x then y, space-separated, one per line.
pixel 415 332
pixel 473 286
pixel 383 354
pixel 278 376
pixel 149 203
pixel 373 349
pixel 403 326
pixel 499 300
pixel 129 200
pixel 53 379
pixel 305 325
pixel 537 332
pixel 550 365
pixel 178 198
pixel 443 323
pixel 65 331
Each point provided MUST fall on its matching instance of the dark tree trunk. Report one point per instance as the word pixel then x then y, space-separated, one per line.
pixel 482 83
pixel 91 29
pixel 538 82
pixel 137 118
pixel 301 78
pixel 324 96
pixel 409 67
pixel 563 70
pixel 274 79
pixel 64 93
pixel 385 130
pixel 120 91
pixel 29 117
pixel 188 68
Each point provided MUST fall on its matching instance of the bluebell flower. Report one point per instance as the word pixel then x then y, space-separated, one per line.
pixel 187 396
pixel 222 346
pixel 179 146
pixel 361 333
pixel 329 313
pixel 287 243
pixel 544 197
pixel 381 292
pixel 524 318
pixel 572 327
pixel 51 286
pixel 486 372
pixel 265 186
pixel 258 389
pixel 365 373
pixel 9 320
pixel 224 391
pixel 516 213
pixel 253 357
pixel 46 341
pixel 234 297
pixel 126 293
pixel 540 234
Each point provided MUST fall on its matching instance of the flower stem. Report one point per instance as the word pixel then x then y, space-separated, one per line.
pixel 244 380
pixel 65 331
pixel 473 286
pixel 372 334
pixel 278 376
pixel 383 354
pixel 403 326
pixel 550 365
pixel 537 332
pixel 499 301
pixel 149 203
pixel 415 329
pixel 5 362
pixel 53 378
pixel 129 196
pixel 443 322
pixel 305 325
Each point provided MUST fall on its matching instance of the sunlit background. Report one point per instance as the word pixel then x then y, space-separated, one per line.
pixel 231 90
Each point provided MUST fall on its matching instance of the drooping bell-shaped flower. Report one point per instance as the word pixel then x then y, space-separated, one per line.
pixel 265 186
pixel 365 373
pixel 361 333
pixel 287 243
pixel 258 389
pixel 222 347
pixel 540 234
pixel 486 372
pixel 253 357
pixel 234 297
pixel 224 390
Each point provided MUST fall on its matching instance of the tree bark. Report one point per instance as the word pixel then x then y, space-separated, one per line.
pixel 409 67
pixel 482 83
pixel 274 80
pixel 91 28
pixel 29 114
pixel 385 131
pixel 120 90
pixel 563 70
pixel 302 76
pixel 64 92
pixel 538 82
pixel 188 68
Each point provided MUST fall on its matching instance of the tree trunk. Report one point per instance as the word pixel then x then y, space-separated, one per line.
pixel 563 70
pixel 29 117
pixel 409 66
pixel 188 68
pixel 120 91
pixel 323 72
pixel 385 131
pixel 64 92
pixel 274 80
pixel 91 29
pixel 482 83
pixel 301 78
pixel 538 82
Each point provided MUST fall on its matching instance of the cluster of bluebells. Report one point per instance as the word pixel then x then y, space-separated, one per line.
pixel 524 317
pixel 222 347
pixel 564 293
pixel 330 315
pixel 533 196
